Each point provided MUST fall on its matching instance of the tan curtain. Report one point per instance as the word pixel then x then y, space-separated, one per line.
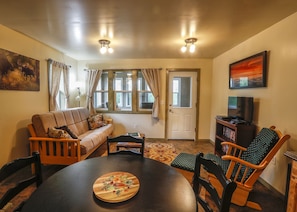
pixel 93 78
pixel 66 70
pixel 152 77
pixel 54 70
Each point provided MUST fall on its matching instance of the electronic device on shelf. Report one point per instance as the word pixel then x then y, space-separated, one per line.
pixel 238 121
pixel 241 109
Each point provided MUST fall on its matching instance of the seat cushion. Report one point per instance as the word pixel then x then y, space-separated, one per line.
pixel 184 161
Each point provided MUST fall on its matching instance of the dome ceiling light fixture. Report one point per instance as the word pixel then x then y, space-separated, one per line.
pixel 191 42
pixel 105 46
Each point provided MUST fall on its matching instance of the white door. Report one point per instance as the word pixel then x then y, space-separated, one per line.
pixel 182 105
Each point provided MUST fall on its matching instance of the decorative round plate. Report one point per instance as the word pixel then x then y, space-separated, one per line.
pixel 116 187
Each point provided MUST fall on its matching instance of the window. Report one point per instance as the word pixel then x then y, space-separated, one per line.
pixel 181 92
pixel 145 96
pixel 61 98
pixel 123 91
pixel 101 94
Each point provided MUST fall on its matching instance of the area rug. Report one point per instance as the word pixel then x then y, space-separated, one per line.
pixel 163 152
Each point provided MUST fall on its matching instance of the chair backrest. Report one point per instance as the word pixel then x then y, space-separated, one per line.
pixel 199 182
pixel 7 171
pixel 130 142
pixel 259 148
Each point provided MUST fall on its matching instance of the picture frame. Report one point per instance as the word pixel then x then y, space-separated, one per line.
pixel 18 72
pixel 250 72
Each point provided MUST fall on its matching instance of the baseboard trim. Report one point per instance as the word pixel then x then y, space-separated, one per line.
pixel 270 187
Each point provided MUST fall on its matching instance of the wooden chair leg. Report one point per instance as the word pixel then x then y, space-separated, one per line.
pixel 253 205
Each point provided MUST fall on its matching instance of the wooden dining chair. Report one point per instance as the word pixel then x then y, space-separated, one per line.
pixel 201 185
pixel 125 144
pixel 8 174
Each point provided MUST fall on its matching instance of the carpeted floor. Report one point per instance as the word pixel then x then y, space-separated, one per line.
pixel 165 151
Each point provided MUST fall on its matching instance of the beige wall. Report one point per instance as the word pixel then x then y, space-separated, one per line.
pixel 276 104
pixel 144 123
pixel 17 107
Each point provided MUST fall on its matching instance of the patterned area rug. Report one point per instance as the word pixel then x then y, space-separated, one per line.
pixel 163 152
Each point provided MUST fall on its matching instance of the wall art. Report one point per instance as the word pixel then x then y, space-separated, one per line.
pixel 18 72
pixel 249 72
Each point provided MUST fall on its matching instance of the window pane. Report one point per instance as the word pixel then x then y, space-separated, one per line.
pixel 146 100
pixel 103 82
pixel 123 101
pixel 101 99
pixel 145 96
pixel 61 98
pixel 123 81
pixel 181 88
pixel 101 93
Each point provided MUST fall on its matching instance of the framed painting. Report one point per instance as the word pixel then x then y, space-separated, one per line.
pixel 249 72
pixel 18 72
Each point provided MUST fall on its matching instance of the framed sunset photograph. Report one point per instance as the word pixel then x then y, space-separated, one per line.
pixel 249 72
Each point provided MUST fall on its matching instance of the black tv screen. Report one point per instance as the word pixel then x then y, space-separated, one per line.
pixel 241 108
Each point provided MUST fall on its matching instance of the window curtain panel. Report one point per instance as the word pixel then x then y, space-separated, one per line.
pixel 55 69
pixel 93 78
pixel 152 77
pixel 66 70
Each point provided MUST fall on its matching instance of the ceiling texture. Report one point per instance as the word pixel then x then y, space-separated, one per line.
pixel 142 28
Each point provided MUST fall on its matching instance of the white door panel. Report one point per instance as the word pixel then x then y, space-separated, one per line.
pixel 182 99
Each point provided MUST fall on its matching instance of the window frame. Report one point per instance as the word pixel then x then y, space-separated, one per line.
pixel 112 93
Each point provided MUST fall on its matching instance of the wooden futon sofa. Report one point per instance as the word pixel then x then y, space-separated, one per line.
pixel 67 136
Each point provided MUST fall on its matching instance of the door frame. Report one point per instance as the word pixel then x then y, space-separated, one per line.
pixel 168 70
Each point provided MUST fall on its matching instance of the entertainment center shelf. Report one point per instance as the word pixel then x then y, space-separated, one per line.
pixel 242 134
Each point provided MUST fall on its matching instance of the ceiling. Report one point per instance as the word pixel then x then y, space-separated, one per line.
pixel 142 28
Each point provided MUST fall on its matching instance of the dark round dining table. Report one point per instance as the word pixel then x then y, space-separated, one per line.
pixel 162 188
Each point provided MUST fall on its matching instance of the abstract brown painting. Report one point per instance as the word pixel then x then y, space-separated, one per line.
pixel 18 72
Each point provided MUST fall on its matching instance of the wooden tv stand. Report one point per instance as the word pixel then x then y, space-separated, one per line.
pixel 239 133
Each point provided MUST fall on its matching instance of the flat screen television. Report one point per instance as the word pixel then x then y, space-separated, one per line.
pixel 241 108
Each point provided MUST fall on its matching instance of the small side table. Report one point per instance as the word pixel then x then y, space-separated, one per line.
pixel 129 145
pixel 291 187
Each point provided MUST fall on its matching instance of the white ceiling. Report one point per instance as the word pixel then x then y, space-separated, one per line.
pixel 142 28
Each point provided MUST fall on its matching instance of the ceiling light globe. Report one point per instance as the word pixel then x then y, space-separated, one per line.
pixel 183 49
pixel 103 50
pixel 192 48
pixel 110 50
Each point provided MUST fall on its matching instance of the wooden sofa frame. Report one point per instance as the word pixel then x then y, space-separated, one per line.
pixel 62 151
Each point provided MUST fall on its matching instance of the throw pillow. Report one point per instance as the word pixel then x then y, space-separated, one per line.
pixel 96 121
pixel 72 134
pixel 57 133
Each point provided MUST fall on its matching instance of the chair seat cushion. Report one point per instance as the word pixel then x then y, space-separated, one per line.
pixel 184 161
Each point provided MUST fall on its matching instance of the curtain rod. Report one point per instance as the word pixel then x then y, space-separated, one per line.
pixel 125 69
pixel 51 60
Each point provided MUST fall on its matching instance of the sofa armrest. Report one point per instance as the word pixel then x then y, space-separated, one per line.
pixel 62 151
pixel 109 121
